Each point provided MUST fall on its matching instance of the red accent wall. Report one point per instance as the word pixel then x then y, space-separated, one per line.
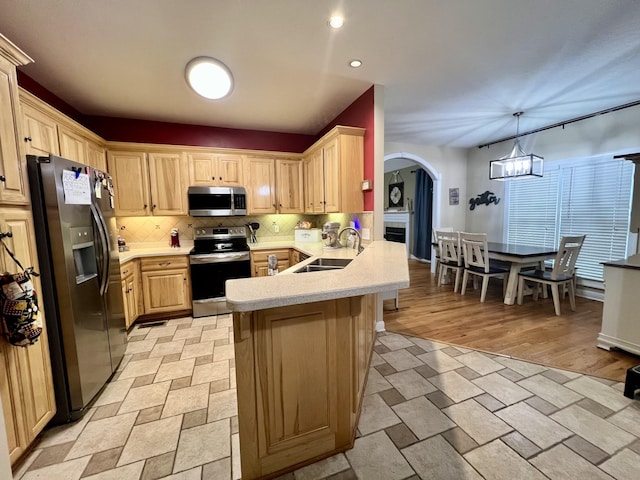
pixel 361 114
pixel 147 131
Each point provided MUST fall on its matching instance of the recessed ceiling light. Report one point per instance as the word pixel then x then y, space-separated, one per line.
pixel 209 78
pixel 336 21
pixel 355 63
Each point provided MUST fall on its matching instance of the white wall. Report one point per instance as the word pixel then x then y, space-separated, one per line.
pixel 616 132
pixel 451 165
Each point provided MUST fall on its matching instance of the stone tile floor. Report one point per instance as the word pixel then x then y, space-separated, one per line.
pixel 431 411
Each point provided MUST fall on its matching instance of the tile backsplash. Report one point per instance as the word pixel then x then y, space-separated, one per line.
pixel 158 229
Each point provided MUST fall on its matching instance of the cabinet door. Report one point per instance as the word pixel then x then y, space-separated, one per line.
pixel 289 182
pixel 230 169
pixel 32 363
pixel 318 182
pixel 169 181
pixel 40 132
pixel 165 291
pixel 127 303
pixel 12 161
pixel 261 189
pixel 72 145
pixel 331 159
pixel 96 156
pixel 130 183
pixel 202 169
pixel 308 182
pixel 11 401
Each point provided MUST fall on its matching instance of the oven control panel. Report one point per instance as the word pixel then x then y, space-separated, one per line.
pixel 220 232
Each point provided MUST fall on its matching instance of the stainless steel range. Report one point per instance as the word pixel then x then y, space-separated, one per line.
pixel 218 254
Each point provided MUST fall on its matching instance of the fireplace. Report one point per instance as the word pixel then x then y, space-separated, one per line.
pixel 397 227
pixel 395 234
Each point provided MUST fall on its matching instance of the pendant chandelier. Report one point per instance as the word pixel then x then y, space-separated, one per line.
pixel 516 164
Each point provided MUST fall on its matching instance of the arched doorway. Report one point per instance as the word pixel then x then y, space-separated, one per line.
pixel 435 177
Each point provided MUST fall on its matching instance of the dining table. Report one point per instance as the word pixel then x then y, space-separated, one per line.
pixel 519 256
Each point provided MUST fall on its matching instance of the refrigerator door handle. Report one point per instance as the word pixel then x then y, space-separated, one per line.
pixel 104 244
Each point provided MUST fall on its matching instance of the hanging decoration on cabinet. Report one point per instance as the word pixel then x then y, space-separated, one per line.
pixel 486 198
pixel 396 190
pixel 21 323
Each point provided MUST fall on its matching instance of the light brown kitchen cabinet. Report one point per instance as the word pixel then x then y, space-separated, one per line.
pixel 259 261
pixel 289 193
pixel 215 170
pixel 130 182
pixel 26 384
pixel 96 156
pixel 165 284
pixel 40 132
pixel 131 291
pixel 13 175
pixel 72 145
pixel 274 186
pixel 301 376
pixel 333 169
pixel 169 181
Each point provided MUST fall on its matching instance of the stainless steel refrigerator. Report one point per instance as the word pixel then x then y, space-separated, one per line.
pixel 76 236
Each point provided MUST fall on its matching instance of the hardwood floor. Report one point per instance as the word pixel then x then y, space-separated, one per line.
pixel 529 332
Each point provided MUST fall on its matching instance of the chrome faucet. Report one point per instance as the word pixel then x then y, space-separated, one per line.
pixel 360 247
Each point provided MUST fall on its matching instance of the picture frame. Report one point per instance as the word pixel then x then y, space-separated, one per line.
pixel 454 196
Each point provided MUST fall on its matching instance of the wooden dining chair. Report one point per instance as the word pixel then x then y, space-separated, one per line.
pixel 450 257
pixel 436 245
pixel 562 274
pixel 476 262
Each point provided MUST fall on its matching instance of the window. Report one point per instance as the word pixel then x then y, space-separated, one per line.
pixel 589 196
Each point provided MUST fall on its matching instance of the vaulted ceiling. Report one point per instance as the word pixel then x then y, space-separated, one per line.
pixel 453 71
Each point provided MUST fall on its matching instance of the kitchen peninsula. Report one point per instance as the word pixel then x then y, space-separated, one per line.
pixel 303 344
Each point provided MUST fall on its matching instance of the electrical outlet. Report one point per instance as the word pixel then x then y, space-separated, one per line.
pixel 276 228
pixel 352 224
pixel 366 234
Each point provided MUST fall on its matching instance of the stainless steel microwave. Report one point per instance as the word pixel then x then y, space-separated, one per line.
pixel 217 201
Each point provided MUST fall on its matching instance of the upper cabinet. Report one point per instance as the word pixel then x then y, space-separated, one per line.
pixel 13 177
pixel 130 183
pixel 213 170
pixel 40 132
pixel 334 170
pixel 275 186
pixel 151 183
pixel 72 146
pixel 169 181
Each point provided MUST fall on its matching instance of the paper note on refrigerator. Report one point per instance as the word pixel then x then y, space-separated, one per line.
pixel 77 188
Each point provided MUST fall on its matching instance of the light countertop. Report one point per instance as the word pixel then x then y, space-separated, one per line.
pixel 381 267
pixel 632 262
pixel 154 250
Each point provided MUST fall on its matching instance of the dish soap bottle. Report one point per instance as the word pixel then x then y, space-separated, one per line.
pixel 175 238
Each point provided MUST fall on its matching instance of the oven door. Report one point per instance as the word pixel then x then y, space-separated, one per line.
pixel 209 272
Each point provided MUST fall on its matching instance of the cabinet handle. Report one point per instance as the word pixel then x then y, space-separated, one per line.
pixel 27 139
pixel 220 178
pixel 145 206
pixel 213 178
pixel 4 179
pixel 280 205
pixel 153 206
pixel 125 272
pixel 164 264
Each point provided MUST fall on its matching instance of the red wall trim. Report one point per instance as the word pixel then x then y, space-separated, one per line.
pixel 31 86
pixel 147 131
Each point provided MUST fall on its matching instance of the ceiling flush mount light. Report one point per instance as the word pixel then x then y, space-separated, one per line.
pixel 209 78
pixel 517 164
pixel 336 21
pixel 355 63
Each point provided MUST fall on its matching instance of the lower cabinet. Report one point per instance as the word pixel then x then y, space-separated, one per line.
pixel 131 291
pixel 301 373
pixel 26 384
pixel 165 284
pixel 260 258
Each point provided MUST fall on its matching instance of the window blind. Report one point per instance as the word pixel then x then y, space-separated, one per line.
pixel 596 201
pixel 532 210
pixel 589 196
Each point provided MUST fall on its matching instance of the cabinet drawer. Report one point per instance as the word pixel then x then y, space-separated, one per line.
pixel 263 255
pixel 127 269
pixel 164 263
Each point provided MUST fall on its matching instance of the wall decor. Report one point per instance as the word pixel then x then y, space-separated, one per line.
pixel 396 190
pixel 486 198
pixel 454 196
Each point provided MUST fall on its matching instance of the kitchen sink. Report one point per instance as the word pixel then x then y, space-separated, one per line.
pixel 323 264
